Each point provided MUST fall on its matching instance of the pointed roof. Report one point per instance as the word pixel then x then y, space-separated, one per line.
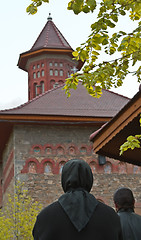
pixel 54 102
pixel 50 40
pixel 50 37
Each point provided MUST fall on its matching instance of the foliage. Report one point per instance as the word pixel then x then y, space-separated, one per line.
pixel 131 143
pixel 18 216
pixel 97 74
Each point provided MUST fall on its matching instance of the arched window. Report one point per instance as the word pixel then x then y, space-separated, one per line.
pixel 47 168
pixel 61 72
pixel 71 151
pixel 34 75
pixel 52 82
pixel 55 64
pixel 122 168
pixel 83 150
pixel 56 72
pixel 32 167
pixel 51 72
pixel 36 150
pixel 34 67
pixel 107 168
pixel 38 74
pixel 136 169
pixel 43 65
pixel 60 82
pixel 48 150
pixel 43 73
pixel 61 64
pixel 42 87
pixel 38 65
pixel 60 151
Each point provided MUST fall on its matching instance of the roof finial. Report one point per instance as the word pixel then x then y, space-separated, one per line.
pixel 49 17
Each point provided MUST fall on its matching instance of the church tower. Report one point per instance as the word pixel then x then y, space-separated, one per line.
pixel 49 62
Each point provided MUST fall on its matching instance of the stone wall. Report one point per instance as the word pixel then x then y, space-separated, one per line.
pixel 41 151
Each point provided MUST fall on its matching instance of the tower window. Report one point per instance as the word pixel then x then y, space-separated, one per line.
pixel 43 73
pixel 51 72
pixel 50 64
pixel 38 66
pixel 42 87
pixel 34 67
pixel 56 72
pixel 43 64
pixel 60 82
pixel 55 64
pixel 61 64
pixel 38 74
pixel 34 75
pixel 52 82
pixel 61 72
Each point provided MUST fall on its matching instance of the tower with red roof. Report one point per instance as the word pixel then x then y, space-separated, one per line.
pixel 49 62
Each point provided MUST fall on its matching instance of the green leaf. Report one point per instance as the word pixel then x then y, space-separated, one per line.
pixel 97 47
pixel 122 12
pixel 75 54
pixel 114 17
pixel 110 24
pixel 86 9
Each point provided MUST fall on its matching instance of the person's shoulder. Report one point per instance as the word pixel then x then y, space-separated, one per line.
pixel 137 216
pixel 50 208
pixel 105 208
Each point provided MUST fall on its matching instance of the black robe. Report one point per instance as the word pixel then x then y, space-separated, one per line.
pixel 54 224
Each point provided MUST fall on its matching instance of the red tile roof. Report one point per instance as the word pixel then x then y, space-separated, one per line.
pixel 50 37
pixel 54 102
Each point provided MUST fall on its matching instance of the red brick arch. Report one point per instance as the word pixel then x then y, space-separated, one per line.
pixel 45 160
pixel 25 167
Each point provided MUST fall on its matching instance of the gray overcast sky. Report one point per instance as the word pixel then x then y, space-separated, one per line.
pixel 20 30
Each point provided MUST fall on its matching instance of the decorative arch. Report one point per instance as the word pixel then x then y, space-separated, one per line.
pixel 72 150
pixel 48 149
pixel 83 149
pixel 31 166
pixel 122 168
pixel 47 166
pixel 107 168
pixel 93 166
pixel 60 149
pixel 136 169
pixel 36 149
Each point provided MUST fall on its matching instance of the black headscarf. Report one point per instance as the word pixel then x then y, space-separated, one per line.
pixel 77 202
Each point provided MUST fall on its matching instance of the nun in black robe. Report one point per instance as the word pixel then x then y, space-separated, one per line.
pixel 77 215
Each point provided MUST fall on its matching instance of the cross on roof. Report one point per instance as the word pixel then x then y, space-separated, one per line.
pixel 74 69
